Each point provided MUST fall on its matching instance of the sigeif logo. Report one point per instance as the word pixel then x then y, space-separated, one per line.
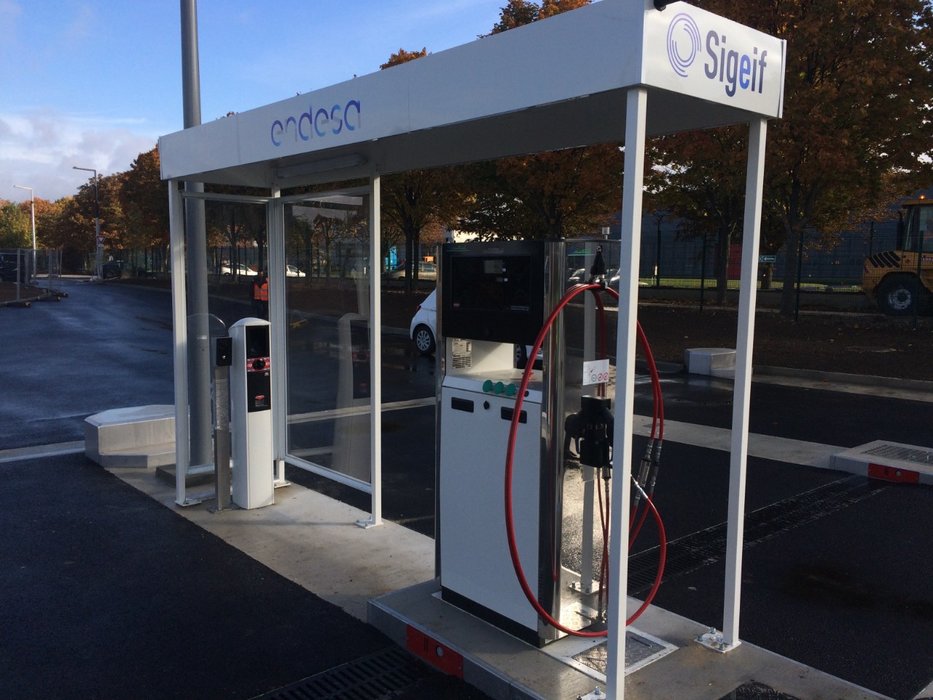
pixel 733 69
pixel 683 43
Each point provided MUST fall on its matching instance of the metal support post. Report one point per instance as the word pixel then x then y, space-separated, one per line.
pixel 635 117
pixel 735 527
pixel 375 355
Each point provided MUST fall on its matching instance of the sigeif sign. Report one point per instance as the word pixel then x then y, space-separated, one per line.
pixel 698 53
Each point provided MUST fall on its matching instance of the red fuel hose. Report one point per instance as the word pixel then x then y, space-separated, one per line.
pixel 509 468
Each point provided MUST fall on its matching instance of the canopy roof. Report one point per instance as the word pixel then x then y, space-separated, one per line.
pixel 553 84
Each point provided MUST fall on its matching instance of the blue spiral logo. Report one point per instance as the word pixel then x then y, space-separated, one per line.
pixel 683 43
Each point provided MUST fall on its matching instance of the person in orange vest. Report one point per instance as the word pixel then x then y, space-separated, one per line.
pixel 261 295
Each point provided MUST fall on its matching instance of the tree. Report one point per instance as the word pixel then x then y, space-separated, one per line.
pixel 144 200
pixel 701 180
pixel 856 129
pixel 547 195
pixel 520 12
pixel 415 199
pixel 15 231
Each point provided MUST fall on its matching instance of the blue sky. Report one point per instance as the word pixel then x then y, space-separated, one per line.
pixel 93 83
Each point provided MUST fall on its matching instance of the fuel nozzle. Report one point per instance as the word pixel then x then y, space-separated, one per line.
pixel 598 268
pixel 596 425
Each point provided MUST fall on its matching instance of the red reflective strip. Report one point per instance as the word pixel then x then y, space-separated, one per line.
pixel 899 476
pixel 432 652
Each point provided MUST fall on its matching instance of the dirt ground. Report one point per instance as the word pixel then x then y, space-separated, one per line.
pixel 868 344
pixel 854 343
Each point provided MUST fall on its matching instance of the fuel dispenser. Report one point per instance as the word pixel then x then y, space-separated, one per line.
pixel 251 414
pixel 504 472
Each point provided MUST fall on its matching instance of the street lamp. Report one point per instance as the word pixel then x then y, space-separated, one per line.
pixel 32 217
pixel 97 253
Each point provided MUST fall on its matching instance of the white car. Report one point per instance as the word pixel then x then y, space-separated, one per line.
pixel 239 268
pixel 426 271
pixel 423 327
pixel 293 271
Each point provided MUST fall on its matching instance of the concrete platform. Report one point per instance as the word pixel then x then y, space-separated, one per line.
pixel 504 667
pixel 141 437
pixel 888 461
pixel 385 575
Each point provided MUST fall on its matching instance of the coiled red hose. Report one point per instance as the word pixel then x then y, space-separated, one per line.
pixel 509 468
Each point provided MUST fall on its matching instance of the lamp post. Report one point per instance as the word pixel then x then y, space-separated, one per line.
pixel 32 217
pixel 97 241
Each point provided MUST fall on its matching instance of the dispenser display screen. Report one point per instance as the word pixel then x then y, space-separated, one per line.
pixel 493 291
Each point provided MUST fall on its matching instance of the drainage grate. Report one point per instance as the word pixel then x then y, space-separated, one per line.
pixel 639 651
pixel 694 551
pixel 377 676
pixel 756 691
pixel 905 453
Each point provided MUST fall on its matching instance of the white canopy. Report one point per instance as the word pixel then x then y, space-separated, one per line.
pixel 555 83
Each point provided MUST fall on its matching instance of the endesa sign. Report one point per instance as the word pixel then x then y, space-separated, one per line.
pixel 699 53
pixel 316 123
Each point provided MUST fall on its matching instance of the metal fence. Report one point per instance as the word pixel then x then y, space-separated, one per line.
pixel 670 253
pixel 28 267
pixel 670 256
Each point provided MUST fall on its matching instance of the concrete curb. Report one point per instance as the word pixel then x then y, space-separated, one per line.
pixel 918 385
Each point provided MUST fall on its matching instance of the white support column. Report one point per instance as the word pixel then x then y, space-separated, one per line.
pixel 375 343
pixel 278 317
pixel 179 338
pixel 735 533
pixel 636 108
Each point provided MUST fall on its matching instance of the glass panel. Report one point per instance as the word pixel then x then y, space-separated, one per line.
pixel 215 231
pixel 925 229
pixel 327 337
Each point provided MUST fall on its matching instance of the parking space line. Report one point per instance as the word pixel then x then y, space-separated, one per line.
pixel 801 452
pixel 38 451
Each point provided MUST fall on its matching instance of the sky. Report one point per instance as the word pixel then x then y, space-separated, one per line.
pixel 94 83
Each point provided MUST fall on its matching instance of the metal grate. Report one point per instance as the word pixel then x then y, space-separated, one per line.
pixel 756 691
pixel 380 675
pixel 907 454
pixel 708 546
pixel 638 650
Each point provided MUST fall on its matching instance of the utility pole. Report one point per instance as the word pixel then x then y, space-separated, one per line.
pixel 199 345
pixel 98 243
pixel 32 217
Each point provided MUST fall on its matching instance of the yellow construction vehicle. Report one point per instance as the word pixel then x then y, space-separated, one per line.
pixel 901 281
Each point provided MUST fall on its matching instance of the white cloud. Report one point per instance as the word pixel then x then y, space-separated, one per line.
pixel 39 150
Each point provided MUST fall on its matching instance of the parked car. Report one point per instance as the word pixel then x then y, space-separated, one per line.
pixel 423 327
pixel 426 271
pixel 240 269
pixel 578 276
pixel 112 269
pixel 293 271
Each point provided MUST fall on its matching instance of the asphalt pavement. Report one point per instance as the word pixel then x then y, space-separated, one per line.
pixel 106 593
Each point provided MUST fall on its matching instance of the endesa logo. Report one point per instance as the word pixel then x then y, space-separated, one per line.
pixel 317 123
pixel 734 69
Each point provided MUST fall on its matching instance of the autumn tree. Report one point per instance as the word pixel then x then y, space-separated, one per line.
pixel 856 129
pixel 15 231
pixel 144 200
pixel 701 179
pixel 545 195
pixel 416 199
